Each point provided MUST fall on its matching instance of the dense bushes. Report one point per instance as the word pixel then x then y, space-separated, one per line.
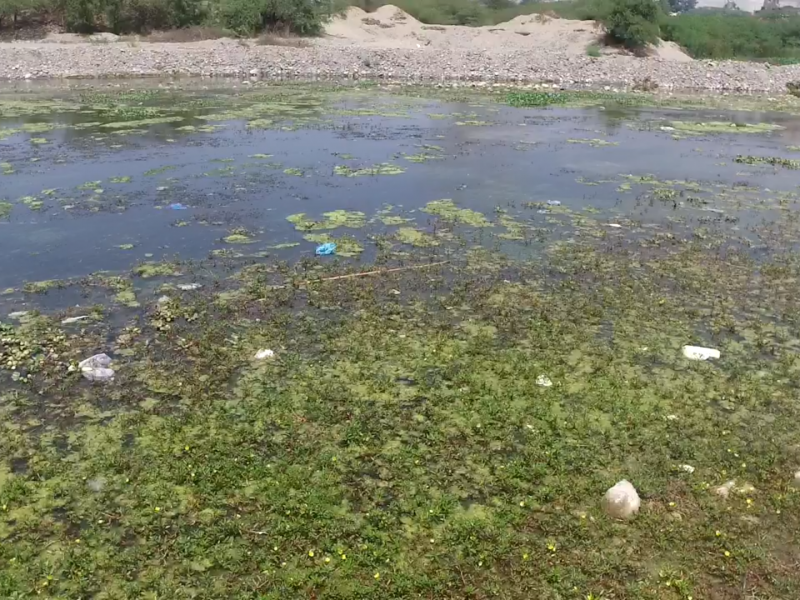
pixel 634 23
pixel 703 33
pixel 245 17
pixel 735 35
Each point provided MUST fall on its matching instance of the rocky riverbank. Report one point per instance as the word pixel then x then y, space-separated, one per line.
pixel 331 59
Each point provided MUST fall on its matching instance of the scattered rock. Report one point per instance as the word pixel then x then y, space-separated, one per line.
pixel 17 315
pixel 544 381
pixel 688 468
pixel 264 354
pixel 621 501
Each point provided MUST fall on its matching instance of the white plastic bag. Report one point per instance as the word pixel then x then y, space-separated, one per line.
pixel 700 353
pixel 621 501
pixel 97 368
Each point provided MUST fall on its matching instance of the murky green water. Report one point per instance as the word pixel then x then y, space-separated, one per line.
pixel 90 178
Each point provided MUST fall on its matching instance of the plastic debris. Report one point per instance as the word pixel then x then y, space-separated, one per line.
pixel 71 320
pixel 615 225
pixel 726 488
pixel 96 484
pixel 178 206
pixel 265 353
pixel 544 381
pixel 621 501
pixel 700 353
pixel 96 368
pixel 554 203
pixel 326 249
pixel 189 287
pixel 18 314
pixel 688 468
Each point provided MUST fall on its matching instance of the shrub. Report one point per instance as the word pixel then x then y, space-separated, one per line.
pixel 247 17
pixel 634 23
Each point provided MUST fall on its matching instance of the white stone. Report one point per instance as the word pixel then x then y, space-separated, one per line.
pixel 700 353
pixel 688 468
pixel 796 481
pixel 189 287
pixel 265 353
pixel 544 381
pixel 621 501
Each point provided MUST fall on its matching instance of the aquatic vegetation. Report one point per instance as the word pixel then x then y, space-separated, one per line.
pixel 722 127
pixel 293 171
pixel 447 210
pixel 159 170
pixel 126 246
pixel 261 156
pixel 535 99
pixel 415 237
pixel 122 179
pixel 239 236
pixel 331 220
pixel 136 124
pixel 41 287
pixel 38 141
pixel 594 143
pixel 32 202
pixel 147 270
pixel 775 161
pixel 5 209
pixel 380 169
pixel 8 168
pixel 472 123
pixel 346 246
pixel 439 422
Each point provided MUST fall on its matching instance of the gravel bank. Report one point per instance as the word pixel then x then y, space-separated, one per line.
pixel 331 60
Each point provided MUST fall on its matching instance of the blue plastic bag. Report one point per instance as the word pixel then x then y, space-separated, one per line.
pixel 326 249
pixel 178 206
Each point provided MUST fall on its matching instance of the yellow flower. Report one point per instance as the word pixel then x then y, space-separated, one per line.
pixel 344 556
pixel 551 546
pixel 718 533
pixel 377 576
pixel 727 553
pixel 525 556
pixel 311 554
pixel 157 509
pixel 327 559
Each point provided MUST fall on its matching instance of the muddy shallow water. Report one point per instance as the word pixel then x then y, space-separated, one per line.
pixel 91 177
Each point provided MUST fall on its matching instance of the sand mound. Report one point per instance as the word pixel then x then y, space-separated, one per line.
pixel 392 27
pixel 672 52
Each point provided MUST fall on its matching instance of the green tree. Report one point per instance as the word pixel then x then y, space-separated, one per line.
pixel 634 23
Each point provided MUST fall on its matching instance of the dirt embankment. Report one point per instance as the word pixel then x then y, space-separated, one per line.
pixel 389 44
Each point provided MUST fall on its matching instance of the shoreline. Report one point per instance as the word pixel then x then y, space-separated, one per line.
pixel 325 60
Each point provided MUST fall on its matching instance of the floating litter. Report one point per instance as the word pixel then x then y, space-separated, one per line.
pixel 178 206
pixel 326 249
